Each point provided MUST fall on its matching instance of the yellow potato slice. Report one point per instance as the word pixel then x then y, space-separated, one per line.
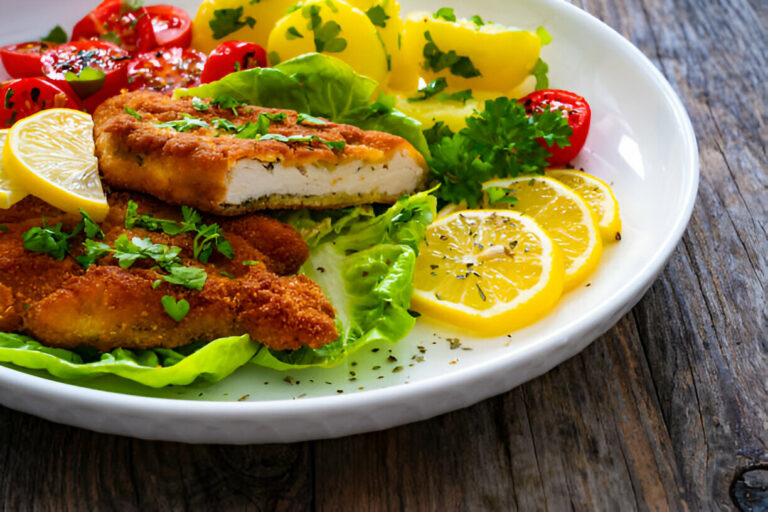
pixel 217 21
pixel 335 28
pixel 489 57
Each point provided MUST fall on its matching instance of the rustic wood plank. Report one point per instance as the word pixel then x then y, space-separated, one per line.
pixel 708 362
pixel 53 467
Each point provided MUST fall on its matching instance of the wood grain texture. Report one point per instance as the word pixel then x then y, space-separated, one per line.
pixel 666 411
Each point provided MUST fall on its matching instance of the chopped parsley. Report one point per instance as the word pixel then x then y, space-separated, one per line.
pixel 224 124
pixel 132 113
pixel 502 141
pixel 176 310
pixel 207 236
pixel 3 228
pixel 500 195
pixel 227 21
pixel 184 125
pixel 435 88
pixel 199 104
pixel 461 96
pixel 378 16
pixel 539 71
pixel 111 37
pixel 57 35
pixel 437 60
pixel 445 13
pixel 50 240
pixel 477 20
pixel 431 89
pixel 293 33
pixel 250 262
pixel 310 120
pixel 226 101
pixel 54 241
pixel 325 34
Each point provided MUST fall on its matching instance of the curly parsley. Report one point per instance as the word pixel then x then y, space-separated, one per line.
pixel 502 141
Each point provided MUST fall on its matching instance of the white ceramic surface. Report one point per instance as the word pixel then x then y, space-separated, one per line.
pixel 641 142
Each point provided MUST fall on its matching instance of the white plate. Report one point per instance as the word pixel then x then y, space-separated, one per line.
pixel 641 142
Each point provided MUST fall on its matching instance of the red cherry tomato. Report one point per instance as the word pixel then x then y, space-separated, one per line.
pixel 165 69
pixel 24 96
pixel 574 107
pixel 111 21
pixel 171 26
pixel 233 56
pixel 65 63
pixel 21 60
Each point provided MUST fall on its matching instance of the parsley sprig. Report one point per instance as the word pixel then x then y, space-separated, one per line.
pixel 208 237
pixel 502 141
pixel 54 241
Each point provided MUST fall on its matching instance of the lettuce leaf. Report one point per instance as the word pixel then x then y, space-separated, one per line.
pixel 155 368
pixel 319 85
pixel 364 263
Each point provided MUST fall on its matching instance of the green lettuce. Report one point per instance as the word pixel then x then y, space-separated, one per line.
pixel 364 263
pixel 319 85
pixel 155 368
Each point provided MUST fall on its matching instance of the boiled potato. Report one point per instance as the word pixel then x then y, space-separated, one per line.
pixel 217 21
pixel 489 57
pixel 335 28
pixel 385 15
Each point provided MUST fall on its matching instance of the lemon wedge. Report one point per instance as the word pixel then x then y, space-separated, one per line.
pixel 488 271
pixel 51 155
pixel 10 191
pixel 564 215
pixel 598 196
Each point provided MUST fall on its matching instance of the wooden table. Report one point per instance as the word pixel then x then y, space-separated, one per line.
pixel 668 410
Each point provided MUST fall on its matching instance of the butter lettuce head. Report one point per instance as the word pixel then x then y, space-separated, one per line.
pixel 319 85
pixel 363 261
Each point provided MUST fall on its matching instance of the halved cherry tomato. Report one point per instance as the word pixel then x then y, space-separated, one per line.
pixel 24 96
pixel 171 26
pixel 65 65
pixel 574 107
pixel 112 21
pixel 21 60
pixel 232 56
pixel 165 69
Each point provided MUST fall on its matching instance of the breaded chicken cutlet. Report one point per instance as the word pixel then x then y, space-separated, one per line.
pixel 61 304
pixel 209 166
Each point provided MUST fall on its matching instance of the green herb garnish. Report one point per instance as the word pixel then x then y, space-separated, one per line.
pixel 310 120
pixel 445 13
pixel 132 113
pixel 176 310
pixel 377 15
pixel 57 35
pixel 432 88
pixel 500 195
pixel 502 141
pixel 199 104
pixel 540 71
pixel 226 101
pixel 227 21
pixel 184 125
pixel 437 60
pixel 477 20
pixel 293 33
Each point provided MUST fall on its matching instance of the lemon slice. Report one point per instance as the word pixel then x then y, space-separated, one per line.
pixel 488 271
pixel 10 192
pixel 51 155
pixel 598 196
pixel 564 215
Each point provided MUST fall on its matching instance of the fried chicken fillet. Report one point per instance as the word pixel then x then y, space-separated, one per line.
pixel 62 305
pixel 214 170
